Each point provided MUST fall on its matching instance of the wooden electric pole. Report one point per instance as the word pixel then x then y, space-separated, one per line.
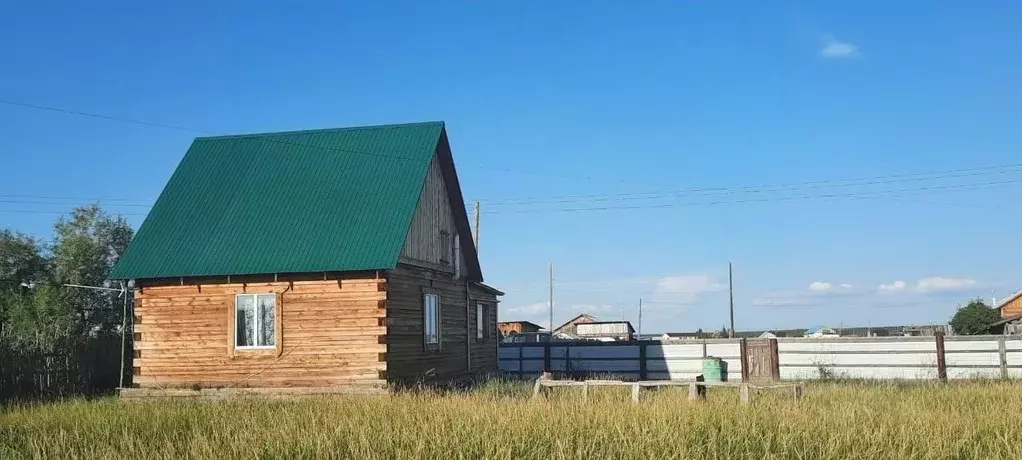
pixel 475 231
pixel 551 300
pixel 640 317
pixel 731 298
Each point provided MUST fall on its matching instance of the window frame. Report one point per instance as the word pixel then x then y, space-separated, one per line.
pixel 445 249
pixel 258 321
pixel 481 321
pixel 437 322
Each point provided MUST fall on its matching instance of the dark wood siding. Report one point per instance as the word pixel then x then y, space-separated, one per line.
pixel 433 215
pixel 408 360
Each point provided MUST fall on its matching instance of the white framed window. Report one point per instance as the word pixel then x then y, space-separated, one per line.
pixel 457 256
pixel 480 321
pixel 445 248
pixel 255 322
pixel 431 319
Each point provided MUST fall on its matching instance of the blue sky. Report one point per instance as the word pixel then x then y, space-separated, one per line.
pixel 596 98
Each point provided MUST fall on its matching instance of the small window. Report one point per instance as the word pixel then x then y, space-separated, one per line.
pixel 480 321
pixel 445 248
pixel 255 321
pixel 431 316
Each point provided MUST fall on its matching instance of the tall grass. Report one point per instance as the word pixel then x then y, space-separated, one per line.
pixel 499 421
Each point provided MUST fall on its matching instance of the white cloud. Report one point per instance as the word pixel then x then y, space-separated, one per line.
pixel 688 284
pixel 531 309
pixel 835 49
pixel 820 286
pixel 895 286
pixel 939 283
pixel 590 308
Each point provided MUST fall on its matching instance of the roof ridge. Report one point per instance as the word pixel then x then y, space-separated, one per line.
pixel 319 130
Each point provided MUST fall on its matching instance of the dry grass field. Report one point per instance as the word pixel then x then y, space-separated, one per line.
pixel 498 421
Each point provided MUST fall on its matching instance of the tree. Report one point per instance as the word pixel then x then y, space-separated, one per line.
pixel 86 247
pixel 21 260
pixel 44 323
pixel 22 264
pixel 974 318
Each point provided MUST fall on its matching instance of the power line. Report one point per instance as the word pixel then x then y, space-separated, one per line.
pixel 70 204
pixel 896 194
pixel 36 211
pixel 36 197
pixel 33 199
pixel 874 180
pixel 262 137
pixel 760 200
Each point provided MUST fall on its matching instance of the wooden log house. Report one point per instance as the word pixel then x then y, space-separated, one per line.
pixel 310 259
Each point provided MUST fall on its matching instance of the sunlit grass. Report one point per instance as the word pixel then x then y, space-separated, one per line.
pixel 499 420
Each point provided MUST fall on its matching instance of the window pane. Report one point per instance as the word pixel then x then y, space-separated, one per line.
pixel 479 320
pixel 267 314
pixel 244 328
pixel 431 320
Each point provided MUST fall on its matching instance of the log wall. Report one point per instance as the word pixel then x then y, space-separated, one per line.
pixel 330 332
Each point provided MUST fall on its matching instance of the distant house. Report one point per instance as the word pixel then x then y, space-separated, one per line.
pixel 821 331
pixel 336 257
pixel 1011 306
pixel 767 335
pixel 605 330
pixel 1010 310
pixel 568 327
pixel 925 331
pixel 534 337
pixel 517 327
pixel 679 336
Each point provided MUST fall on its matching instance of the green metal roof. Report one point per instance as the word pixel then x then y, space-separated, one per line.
pixel 290 202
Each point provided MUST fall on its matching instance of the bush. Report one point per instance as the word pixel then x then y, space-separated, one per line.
pixel 974 318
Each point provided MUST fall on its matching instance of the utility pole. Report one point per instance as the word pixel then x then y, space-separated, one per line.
pixel 731 298
pixel 475 231
pixel 640 317
pixel 551 300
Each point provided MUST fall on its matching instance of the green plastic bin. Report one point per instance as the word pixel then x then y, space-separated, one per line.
pixel 714 369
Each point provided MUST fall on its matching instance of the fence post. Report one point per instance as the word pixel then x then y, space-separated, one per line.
pixel 642 361
pixel 521 358
pixel 775 358
pixel 1001 351
pixel 546 358
pixel 941 364
pixel 744 357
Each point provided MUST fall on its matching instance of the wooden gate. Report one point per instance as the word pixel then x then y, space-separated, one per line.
pixel 759 360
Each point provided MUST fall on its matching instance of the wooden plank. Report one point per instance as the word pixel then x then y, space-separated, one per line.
pixel 941 363
pixel 744 353
pixel 1003 356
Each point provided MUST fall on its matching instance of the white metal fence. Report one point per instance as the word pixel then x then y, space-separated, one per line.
pixel 797 358
pixel 900 357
